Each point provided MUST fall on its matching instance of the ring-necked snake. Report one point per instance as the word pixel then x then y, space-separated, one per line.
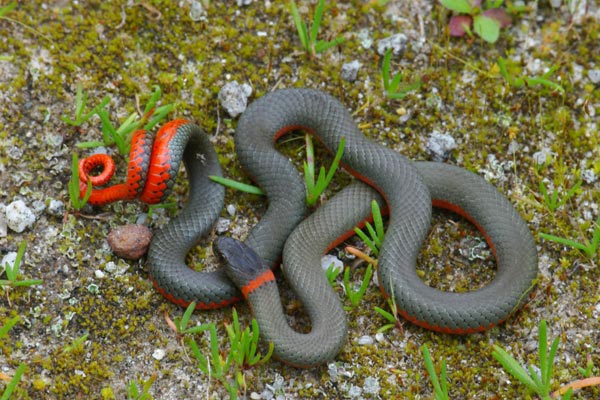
pixel 408 188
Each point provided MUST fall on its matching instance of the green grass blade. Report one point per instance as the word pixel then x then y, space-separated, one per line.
pixel 314 29
pixel 153 99
pixel 12 385
pixel 385 69
pixel 377 220
pixel 300 25
pixel 566 242
pixel 363 236
pixel 336 161
pixel 8 326
pixel 185 318
pixel 243 187
pixel 7 8
pixel 513 367
pixel 202 360
pixel 323 45
pixel 385 314
pixel 570 193
pixel 543 349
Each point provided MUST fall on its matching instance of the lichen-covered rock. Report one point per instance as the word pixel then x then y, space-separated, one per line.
pixel 18 216
pixel 234 97
pixel 130 241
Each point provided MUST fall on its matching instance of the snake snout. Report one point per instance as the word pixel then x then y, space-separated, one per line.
pixel 242 264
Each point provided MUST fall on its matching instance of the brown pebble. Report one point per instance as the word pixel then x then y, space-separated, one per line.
pixel 130 241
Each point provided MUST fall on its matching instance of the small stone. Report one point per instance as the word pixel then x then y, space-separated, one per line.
pixel 99 274
pixel 197 11
pixel 159 354
pixel 542 157
pixel 255 396
pixel 594 75
pixel 328 259
pixel 19 216
pixel 230 209
pixel 395 42
pixel 350 70
pixel 222 225
pixel 364 340
pixel 371 385
pixel 364 36
pixel 589 176
pixel 56 208
pixel 234 97
pixel 3 223
pixel 439 146
pixel 513 147
pixel 130 241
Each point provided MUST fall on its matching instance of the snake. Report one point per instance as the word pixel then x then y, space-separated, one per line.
pixel 408 189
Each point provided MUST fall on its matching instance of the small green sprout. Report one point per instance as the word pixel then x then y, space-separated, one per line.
pixel 440 385
pixel 314 189
pixel 134 392
pixel 121 136
pixel 244 344
pixel 220 365
pixel 392 317
pixel 552 201
pixel 332 273
pixel 355 296
pixel 80 103
pixel 376 234
pixel 589 367
pixel 309 40
pixel 588 247
pixel 12 272
pixel 74 194
pixel 394 88
pixel 518 82
pixel 539 384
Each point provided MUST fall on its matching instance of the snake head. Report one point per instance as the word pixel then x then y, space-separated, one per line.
pixel 242 264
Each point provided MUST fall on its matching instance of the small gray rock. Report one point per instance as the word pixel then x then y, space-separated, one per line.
pixel 594 75
pixel 3 224
pixel 222 225
pixel 364 36
pixel 589 176
pixel 350 70
pixel 542 156
pixel 234 97
pixel 130 241
pixel 19 216
pixel 439 146
pixel 364 340
pixel 396 42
